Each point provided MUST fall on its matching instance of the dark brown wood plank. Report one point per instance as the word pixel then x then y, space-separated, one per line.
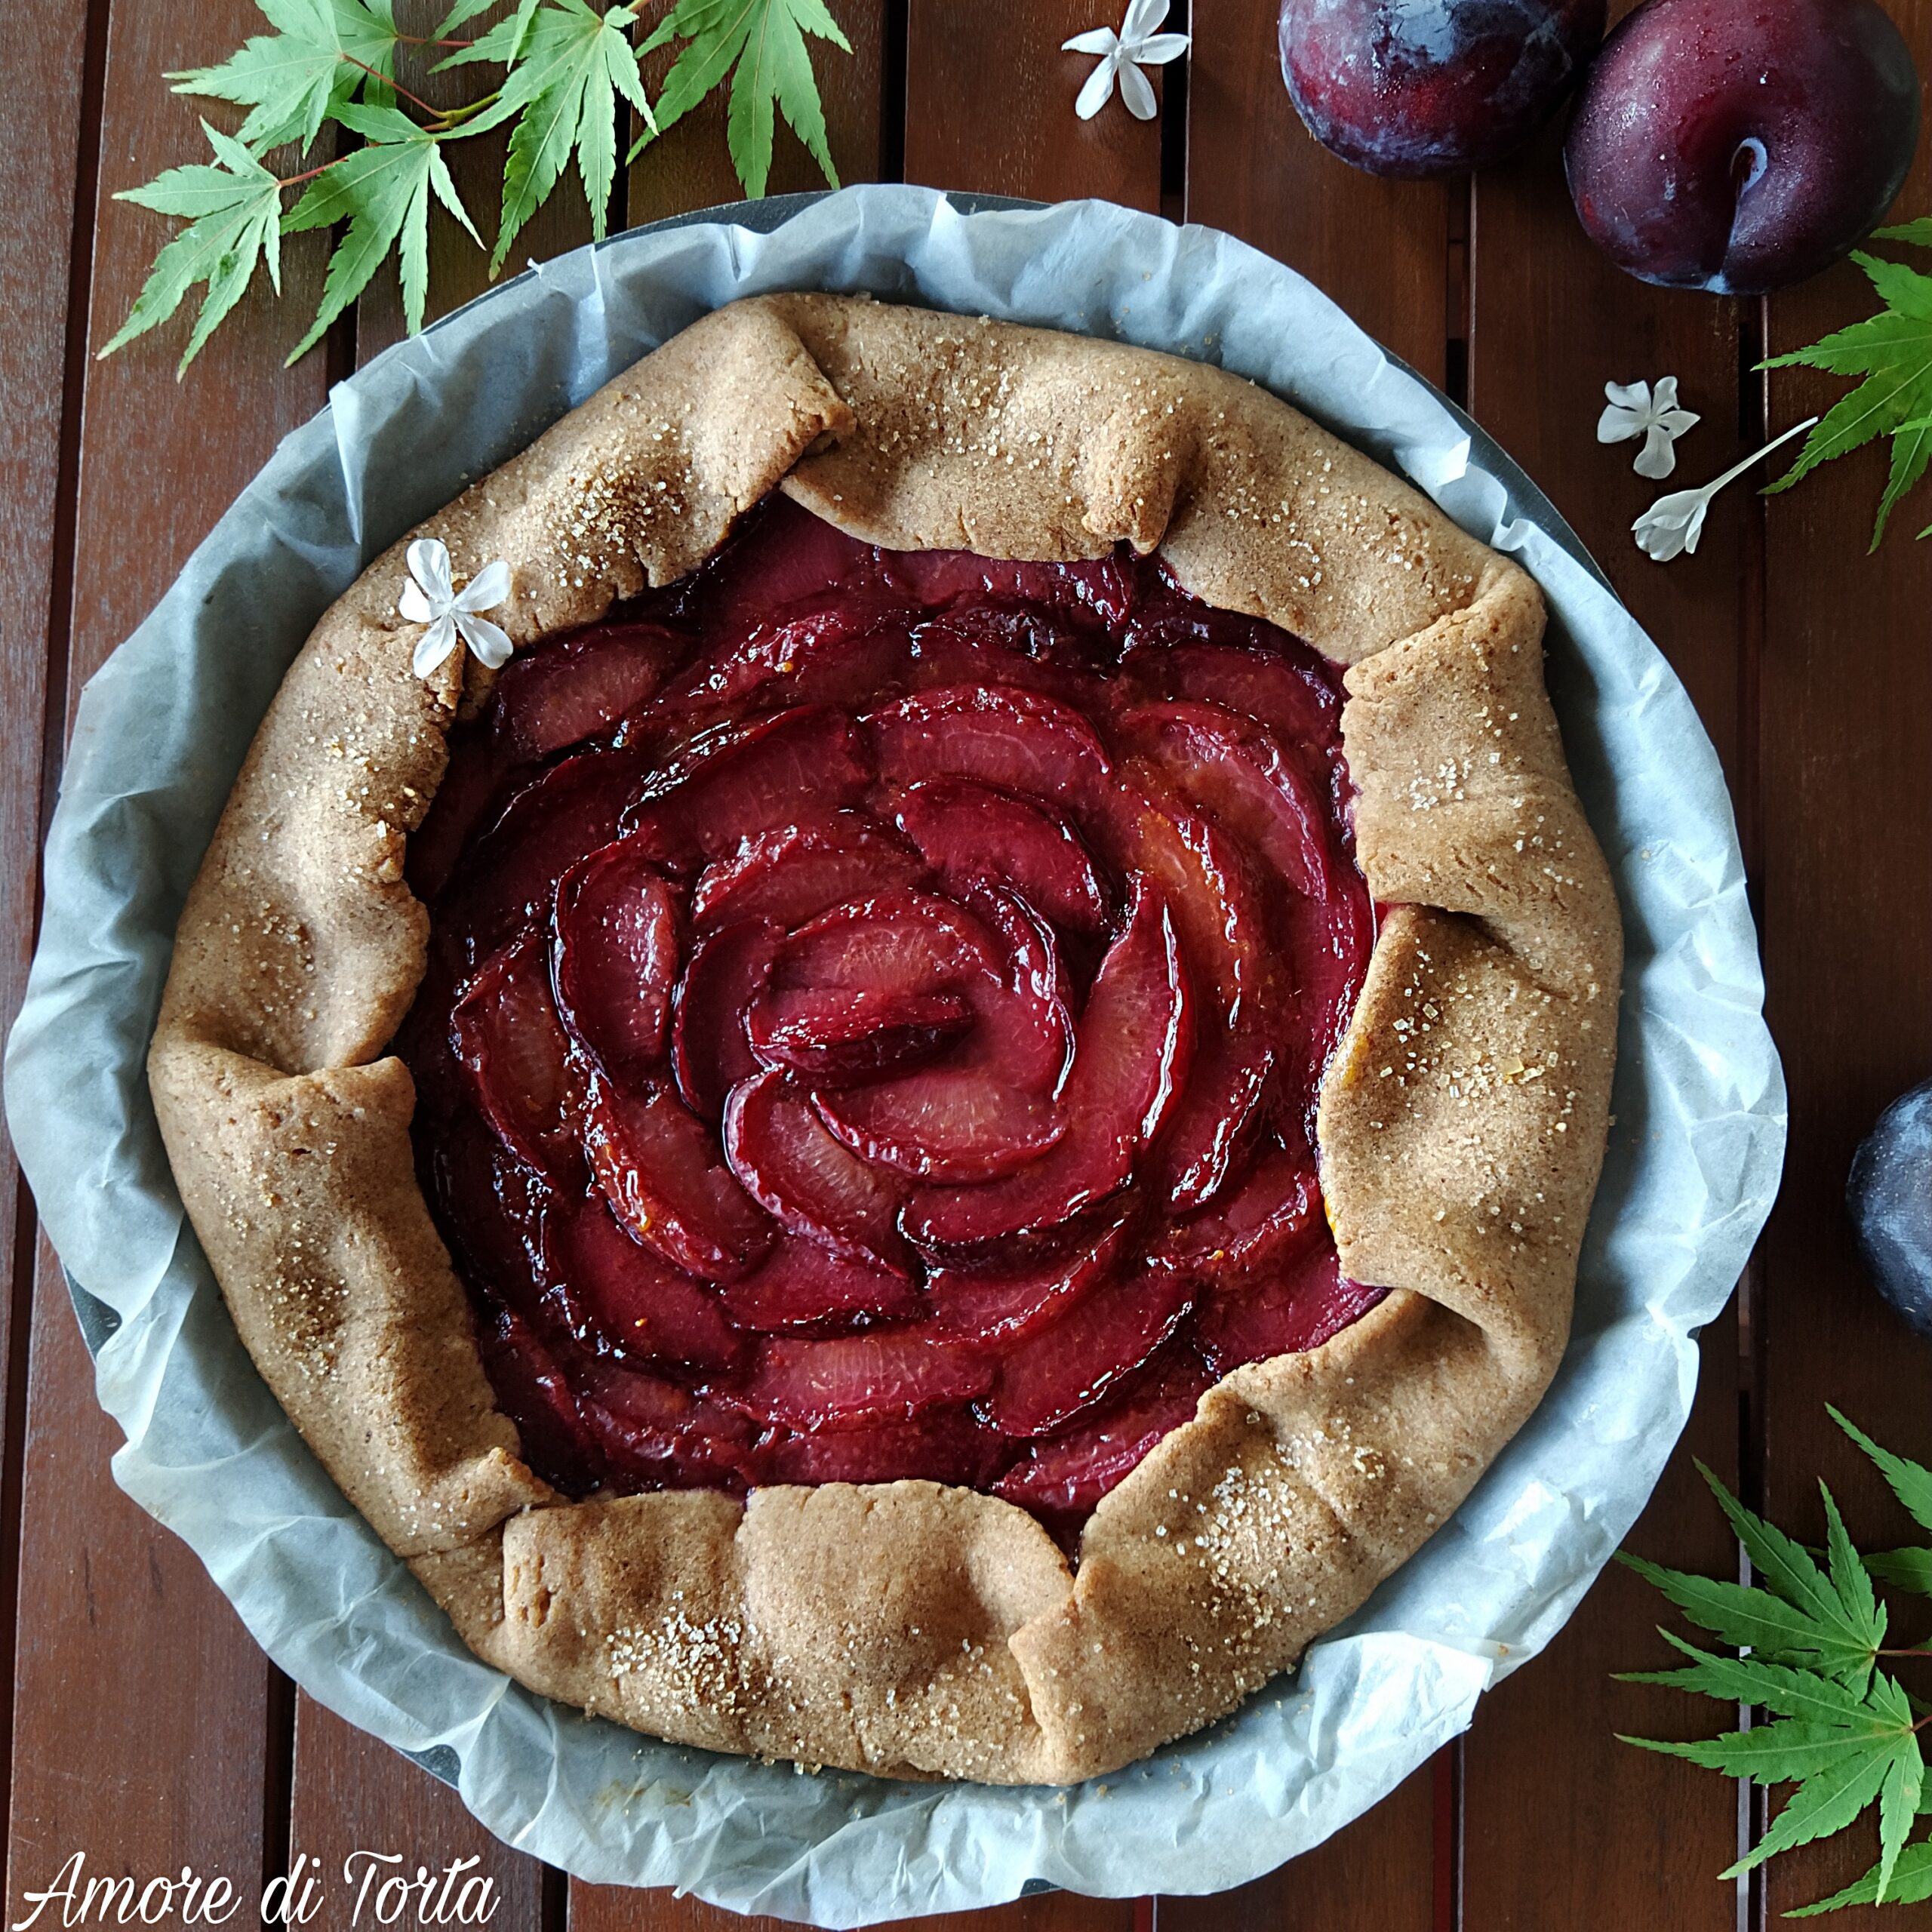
pixel 989 106
pixel 1371 1876
pixel 690 166
pixel 1641 1836
pixel 1848 818
pixel 139 1735
pixel 1380 248
pixel 128 1659
pixel 459 269
pixel 609 1909
pixel 41 113
pixel 352 1794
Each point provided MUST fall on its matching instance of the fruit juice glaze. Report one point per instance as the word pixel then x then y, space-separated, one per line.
pixel 875 1009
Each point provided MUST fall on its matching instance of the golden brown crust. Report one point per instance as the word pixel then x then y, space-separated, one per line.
pixel 903 1628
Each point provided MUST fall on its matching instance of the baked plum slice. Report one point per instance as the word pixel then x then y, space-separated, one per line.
pixel 505 1035
pixel 1063 1477
pixel 652 1432
pixel 995 1305
pixel 1232 768
pixel 732 782
pixel 631 1301
pixel 1267 1213
pixel 801 1283
pixel 786 1161
pixel 1217 1118
pixel 1070 1363
pixel 579 687
pixel 988 1106
pixel 654 1160
pixel 510 878
pixel 553 1436
pixel 946 1445
pixel 852 1381
pixel 794 873
pixel 1130 1062
pixel 1015 740
pixel 1295 1309
pixel 843 653
pixel 1296 703
pixel 710 1052
pixel 853 1035
pixel 780 558
pixel 970 834
pixel 613 958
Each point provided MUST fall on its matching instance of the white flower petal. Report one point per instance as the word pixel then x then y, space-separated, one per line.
pixel 1095 40
pixel 1143 17
pixel 1099 90
pixel 1137 92
pixel 486 589
pixel 1629 395
pixel 1618 425
pixel 1675 423
pixel 434 645
pixel 413 606
pixel 491 645
pixel 1664 396
pixel 1157 51
pixel 1658 457
pixel 429 559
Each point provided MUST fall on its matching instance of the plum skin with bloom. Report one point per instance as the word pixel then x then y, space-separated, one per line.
pixel 1889 1194
pixel 1417 88
pixel 1741 145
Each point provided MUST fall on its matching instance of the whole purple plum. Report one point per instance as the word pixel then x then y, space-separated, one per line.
pixel 1741 145
pixel 1432 87
pixel 1890 1195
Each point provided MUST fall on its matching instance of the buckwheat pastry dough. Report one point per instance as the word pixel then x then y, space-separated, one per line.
pixel 905 1629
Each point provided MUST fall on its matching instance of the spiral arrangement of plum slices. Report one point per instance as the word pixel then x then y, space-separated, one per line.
pixel 875 1009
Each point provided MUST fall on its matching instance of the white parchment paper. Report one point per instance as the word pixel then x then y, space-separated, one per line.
pixel 1693 1158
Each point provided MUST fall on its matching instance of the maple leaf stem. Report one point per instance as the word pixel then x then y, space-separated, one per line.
pixel 415 99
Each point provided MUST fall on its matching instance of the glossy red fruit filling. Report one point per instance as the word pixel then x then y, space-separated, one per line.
pixel 876 1007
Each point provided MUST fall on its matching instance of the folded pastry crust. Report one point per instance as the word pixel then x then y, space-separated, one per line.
pixel 905 1629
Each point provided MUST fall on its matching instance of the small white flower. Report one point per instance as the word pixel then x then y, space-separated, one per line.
pixel 1672 524
pixel 1122 56
pixel 431 597
pixel 1634 411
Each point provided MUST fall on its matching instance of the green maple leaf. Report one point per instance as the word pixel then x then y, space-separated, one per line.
pixel 761 44
pixel 382 192
pixel 572 66
pixel 1911 1482
pixel 1791 1692
pixel 1912 1884
pixel 321 53
pixel 233 208
pixel 1892 351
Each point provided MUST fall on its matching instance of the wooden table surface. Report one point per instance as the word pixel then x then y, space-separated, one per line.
pixel 147 1729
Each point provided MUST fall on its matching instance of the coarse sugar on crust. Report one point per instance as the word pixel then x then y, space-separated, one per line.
pixel 903 1628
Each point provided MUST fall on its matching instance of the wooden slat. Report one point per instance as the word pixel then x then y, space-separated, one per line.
pixel 40 113
pixel 608 1908
pixel 1552 321
pixel 459 269
pixel 989 106
pixel 1380 248
pixel 353 1794
pixel 128 1659
pixel 1848 818
pixel 1374 1876
pixel 139 1698
pixel 690 166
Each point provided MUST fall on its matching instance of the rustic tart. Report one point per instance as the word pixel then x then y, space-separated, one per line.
pixel 962 1102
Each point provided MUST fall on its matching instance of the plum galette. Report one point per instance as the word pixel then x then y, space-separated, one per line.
pixel 962 1102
